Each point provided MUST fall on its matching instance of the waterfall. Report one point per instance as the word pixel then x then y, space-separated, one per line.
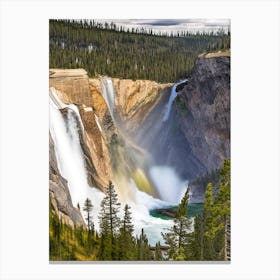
pixel 65 133
pixel 70 161
pixel 108 94
pixel 141 203
pixel 173 95
pixel 168 184
pixel 69 155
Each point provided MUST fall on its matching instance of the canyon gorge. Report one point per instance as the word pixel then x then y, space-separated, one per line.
pixel 150 139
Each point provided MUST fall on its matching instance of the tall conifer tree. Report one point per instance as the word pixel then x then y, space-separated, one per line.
pixel 109 223
pixel 177 236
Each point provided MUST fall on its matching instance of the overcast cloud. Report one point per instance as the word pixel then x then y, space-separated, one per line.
pixel 168 25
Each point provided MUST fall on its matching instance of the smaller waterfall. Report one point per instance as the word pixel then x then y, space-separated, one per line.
pixel 173 95
pixel 108 94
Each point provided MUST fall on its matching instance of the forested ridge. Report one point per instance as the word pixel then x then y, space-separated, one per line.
pixel 105 49
pixel 116 240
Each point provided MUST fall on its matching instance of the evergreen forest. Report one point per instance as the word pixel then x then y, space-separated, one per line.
pixel 116 240
pixel 108 50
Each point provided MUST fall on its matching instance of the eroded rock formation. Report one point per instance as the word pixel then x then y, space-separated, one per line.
pixel 72 87
pixel 203 107
pixel 60 197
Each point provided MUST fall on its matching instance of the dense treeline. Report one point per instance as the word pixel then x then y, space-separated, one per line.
pixel 105 49
pixel 114 241
pixel 208 238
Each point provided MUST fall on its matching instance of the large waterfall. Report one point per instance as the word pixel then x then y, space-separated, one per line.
pixel 64 131
pixel 70 161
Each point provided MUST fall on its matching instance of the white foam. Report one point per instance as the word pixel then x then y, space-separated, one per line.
pixel 108 94
pixel 168 184
pixel 173 95
pixel 70 159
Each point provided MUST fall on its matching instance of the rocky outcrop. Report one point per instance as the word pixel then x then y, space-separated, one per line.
pixel 73 87
pixel 134 100
pixel 95 148
pixel 132 96
pixel 72 84
pixel 60 198
pixel 98 102
pixel 203 109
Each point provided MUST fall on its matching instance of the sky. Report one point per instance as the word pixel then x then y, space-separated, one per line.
pixel 168 25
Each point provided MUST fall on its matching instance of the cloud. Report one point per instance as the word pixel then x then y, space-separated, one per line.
pixel 171 25
pixel 161 22
pixel 180 22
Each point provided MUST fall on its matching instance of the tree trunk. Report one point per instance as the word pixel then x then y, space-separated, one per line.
pixel 227 239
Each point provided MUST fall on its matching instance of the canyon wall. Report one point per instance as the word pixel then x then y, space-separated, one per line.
pixel 194 140
pixel 203 113
pixel 104 147
pixel 203 109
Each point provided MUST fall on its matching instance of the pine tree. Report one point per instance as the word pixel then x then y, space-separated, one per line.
pixel 158 254
pixel 222 213
pixel 177 236
pixel 90 225
pixel 105 247
pixel 109 223
pixel 216 219
pixel 126 239
pixel 210 239
pixel 143 248
pixel 208 234
pixel 195 245
pixel 88 209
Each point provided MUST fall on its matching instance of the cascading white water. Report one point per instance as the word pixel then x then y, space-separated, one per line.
pixel 173 95
pixel 141 203
pixel 69 155
pixel 71 166
pixel 108 94
pixel 168 184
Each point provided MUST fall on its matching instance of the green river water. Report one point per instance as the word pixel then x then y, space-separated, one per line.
pixel 193 209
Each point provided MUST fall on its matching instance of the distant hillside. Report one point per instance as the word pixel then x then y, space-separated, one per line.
pixel 138 54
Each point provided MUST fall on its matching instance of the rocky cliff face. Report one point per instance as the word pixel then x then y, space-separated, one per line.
pixel 60 198
pixel 72 84
pixel 73 87
pixel 133 96
pixel 134 100
pixel 203 109
pixel 196 137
